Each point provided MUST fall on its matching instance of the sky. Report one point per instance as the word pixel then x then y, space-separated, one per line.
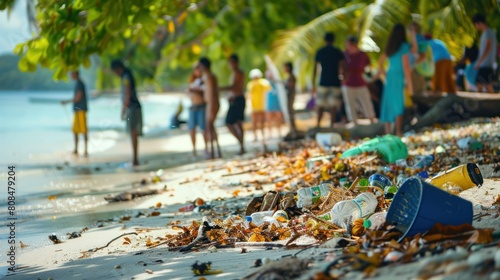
pixel 14 28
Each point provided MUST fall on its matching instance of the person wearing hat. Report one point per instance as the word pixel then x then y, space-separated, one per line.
pixel 257 88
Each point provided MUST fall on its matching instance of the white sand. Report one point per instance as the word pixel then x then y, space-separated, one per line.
pixel 64 261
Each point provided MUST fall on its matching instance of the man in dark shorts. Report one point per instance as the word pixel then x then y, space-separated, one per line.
pixel 329 95
pixel 487 55
pixel 80 108
pixel 236 112
pixel 131 109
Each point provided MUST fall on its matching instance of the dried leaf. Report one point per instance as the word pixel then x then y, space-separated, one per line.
pixel 236 192
pixel 462 232
pixel 358 228
pixel 256 237
pixel 497 200
pixel 127 239
pixel 153 214
pixel 23 245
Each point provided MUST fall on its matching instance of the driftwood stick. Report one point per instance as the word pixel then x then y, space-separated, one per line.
pixel 114 239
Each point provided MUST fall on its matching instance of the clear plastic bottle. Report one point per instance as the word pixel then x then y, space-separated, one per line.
pixel 258 217
pixel 359 207
pixel 375 220
pixel 309 196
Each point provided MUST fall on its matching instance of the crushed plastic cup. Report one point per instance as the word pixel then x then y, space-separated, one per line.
pixel 328 140
pixel 378 180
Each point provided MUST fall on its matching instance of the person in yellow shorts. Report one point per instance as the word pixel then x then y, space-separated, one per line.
pixel 257 89
pixel 80 108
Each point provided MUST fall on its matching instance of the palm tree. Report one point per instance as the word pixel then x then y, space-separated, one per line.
pixel 372 20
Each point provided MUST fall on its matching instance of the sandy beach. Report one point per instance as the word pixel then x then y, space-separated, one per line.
pixel 150 218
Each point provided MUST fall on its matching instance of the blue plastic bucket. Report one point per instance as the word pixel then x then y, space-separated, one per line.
pixel 417 206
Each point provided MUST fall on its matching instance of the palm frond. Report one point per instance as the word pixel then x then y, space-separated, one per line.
pixel 377 21
pixel 304 40
pixel 451 22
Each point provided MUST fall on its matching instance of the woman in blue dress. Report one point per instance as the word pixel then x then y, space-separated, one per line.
pixel 397 51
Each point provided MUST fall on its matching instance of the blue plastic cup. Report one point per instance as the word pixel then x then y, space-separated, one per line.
pixel 418 206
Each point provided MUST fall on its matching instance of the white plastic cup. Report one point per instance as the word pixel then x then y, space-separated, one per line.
pixel 327 140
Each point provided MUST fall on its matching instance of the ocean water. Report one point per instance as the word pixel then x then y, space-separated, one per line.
pixel 34 124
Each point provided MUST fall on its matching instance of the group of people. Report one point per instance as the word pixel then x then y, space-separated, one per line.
pixel 342 85
pixel 265 106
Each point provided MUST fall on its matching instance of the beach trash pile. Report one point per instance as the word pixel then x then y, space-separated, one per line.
pixel 377 202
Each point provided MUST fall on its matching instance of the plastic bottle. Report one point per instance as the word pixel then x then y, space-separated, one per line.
pixel 258 217
pixel 359 207
pixel 309 196
pixel 400 179
pixel 375 220
pixel 248 220
pixel 423 161
pixel 271 220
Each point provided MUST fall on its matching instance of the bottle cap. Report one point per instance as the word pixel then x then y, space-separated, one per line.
pixel 367 223
pixel 248 218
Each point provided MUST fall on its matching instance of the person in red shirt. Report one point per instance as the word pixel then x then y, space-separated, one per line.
pixel 355 88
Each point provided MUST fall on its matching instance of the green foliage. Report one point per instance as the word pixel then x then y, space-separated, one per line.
pixel 13 79
pixel 72 31
pixel 161 39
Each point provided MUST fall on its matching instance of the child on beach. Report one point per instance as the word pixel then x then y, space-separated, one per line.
pixel 257 88
pixel 80 108
pixel 197 111
pixel 211 95
pixel 274 116
pixel 397 52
